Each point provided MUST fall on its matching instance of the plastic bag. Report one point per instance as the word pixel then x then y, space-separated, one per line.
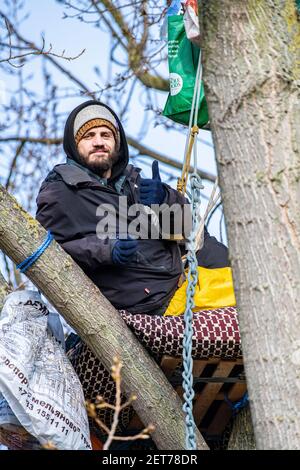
pixel 183 61
pixel 37 381
pixel 191 21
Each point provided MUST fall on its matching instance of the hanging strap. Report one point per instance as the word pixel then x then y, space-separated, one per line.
pixel 193 129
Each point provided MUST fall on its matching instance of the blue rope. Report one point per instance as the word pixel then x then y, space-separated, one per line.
pixel 238 405
pixel 187 374
pixel 32 258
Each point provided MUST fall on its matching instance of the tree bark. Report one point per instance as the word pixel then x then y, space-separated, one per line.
pixel 96 321
pixel 242 436
pixel 252 85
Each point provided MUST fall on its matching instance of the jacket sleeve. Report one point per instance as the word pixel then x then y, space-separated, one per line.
pixel 56 212
pixel 213 254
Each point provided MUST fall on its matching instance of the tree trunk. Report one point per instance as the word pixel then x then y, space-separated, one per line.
pixel 242 436
pixel 97 323
pixel 252 85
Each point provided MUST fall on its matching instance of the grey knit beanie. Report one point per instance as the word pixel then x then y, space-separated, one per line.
pixel 95 115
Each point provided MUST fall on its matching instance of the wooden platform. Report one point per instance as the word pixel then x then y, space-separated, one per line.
pixel 213 380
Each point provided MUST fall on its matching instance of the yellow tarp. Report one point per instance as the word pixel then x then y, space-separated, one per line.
pixel 213 290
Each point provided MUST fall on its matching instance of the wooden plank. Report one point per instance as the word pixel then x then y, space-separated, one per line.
pixel 208 394
pixel 224 412
pixel 199 366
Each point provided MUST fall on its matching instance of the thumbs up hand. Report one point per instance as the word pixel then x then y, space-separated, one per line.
pixel 152 190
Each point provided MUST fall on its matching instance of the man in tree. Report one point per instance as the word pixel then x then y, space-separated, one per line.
pixel 142 275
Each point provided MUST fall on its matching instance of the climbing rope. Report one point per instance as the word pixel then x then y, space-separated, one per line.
pixel 196 186
pixel 238 405
pixel 187 374
pixel 32 258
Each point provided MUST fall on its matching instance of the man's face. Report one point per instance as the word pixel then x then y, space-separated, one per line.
pixel 97 150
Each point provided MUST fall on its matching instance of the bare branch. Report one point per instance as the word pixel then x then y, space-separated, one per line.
pixel 167 160
pixel 117 408
pixel 110 26
pixel 135 50
pixel 14 162
pixel 35 50
pixel 143 150
pixel 34 140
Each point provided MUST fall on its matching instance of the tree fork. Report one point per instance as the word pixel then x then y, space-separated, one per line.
pixel 97 322
pixel 252 84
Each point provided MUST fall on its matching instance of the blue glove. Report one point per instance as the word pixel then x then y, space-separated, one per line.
pixel 124 250
pixel 152 190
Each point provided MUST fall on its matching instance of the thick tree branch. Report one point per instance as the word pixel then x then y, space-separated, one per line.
pixel 137 61
pixel 242 435
pixel 110 26
pixel 116 15
pixel 143 11
pixel 96 321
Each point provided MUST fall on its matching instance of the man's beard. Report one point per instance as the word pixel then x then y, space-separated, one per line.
pixel 100 166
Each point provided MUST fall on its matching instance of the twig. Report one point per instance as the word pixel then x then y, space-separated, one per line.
pixel 35 51
pixel 116 375
pixel 118 407
pixel 14 162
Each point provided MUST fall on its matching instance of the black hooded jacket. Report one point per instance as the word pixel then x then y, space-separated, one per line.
pixel 67 205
